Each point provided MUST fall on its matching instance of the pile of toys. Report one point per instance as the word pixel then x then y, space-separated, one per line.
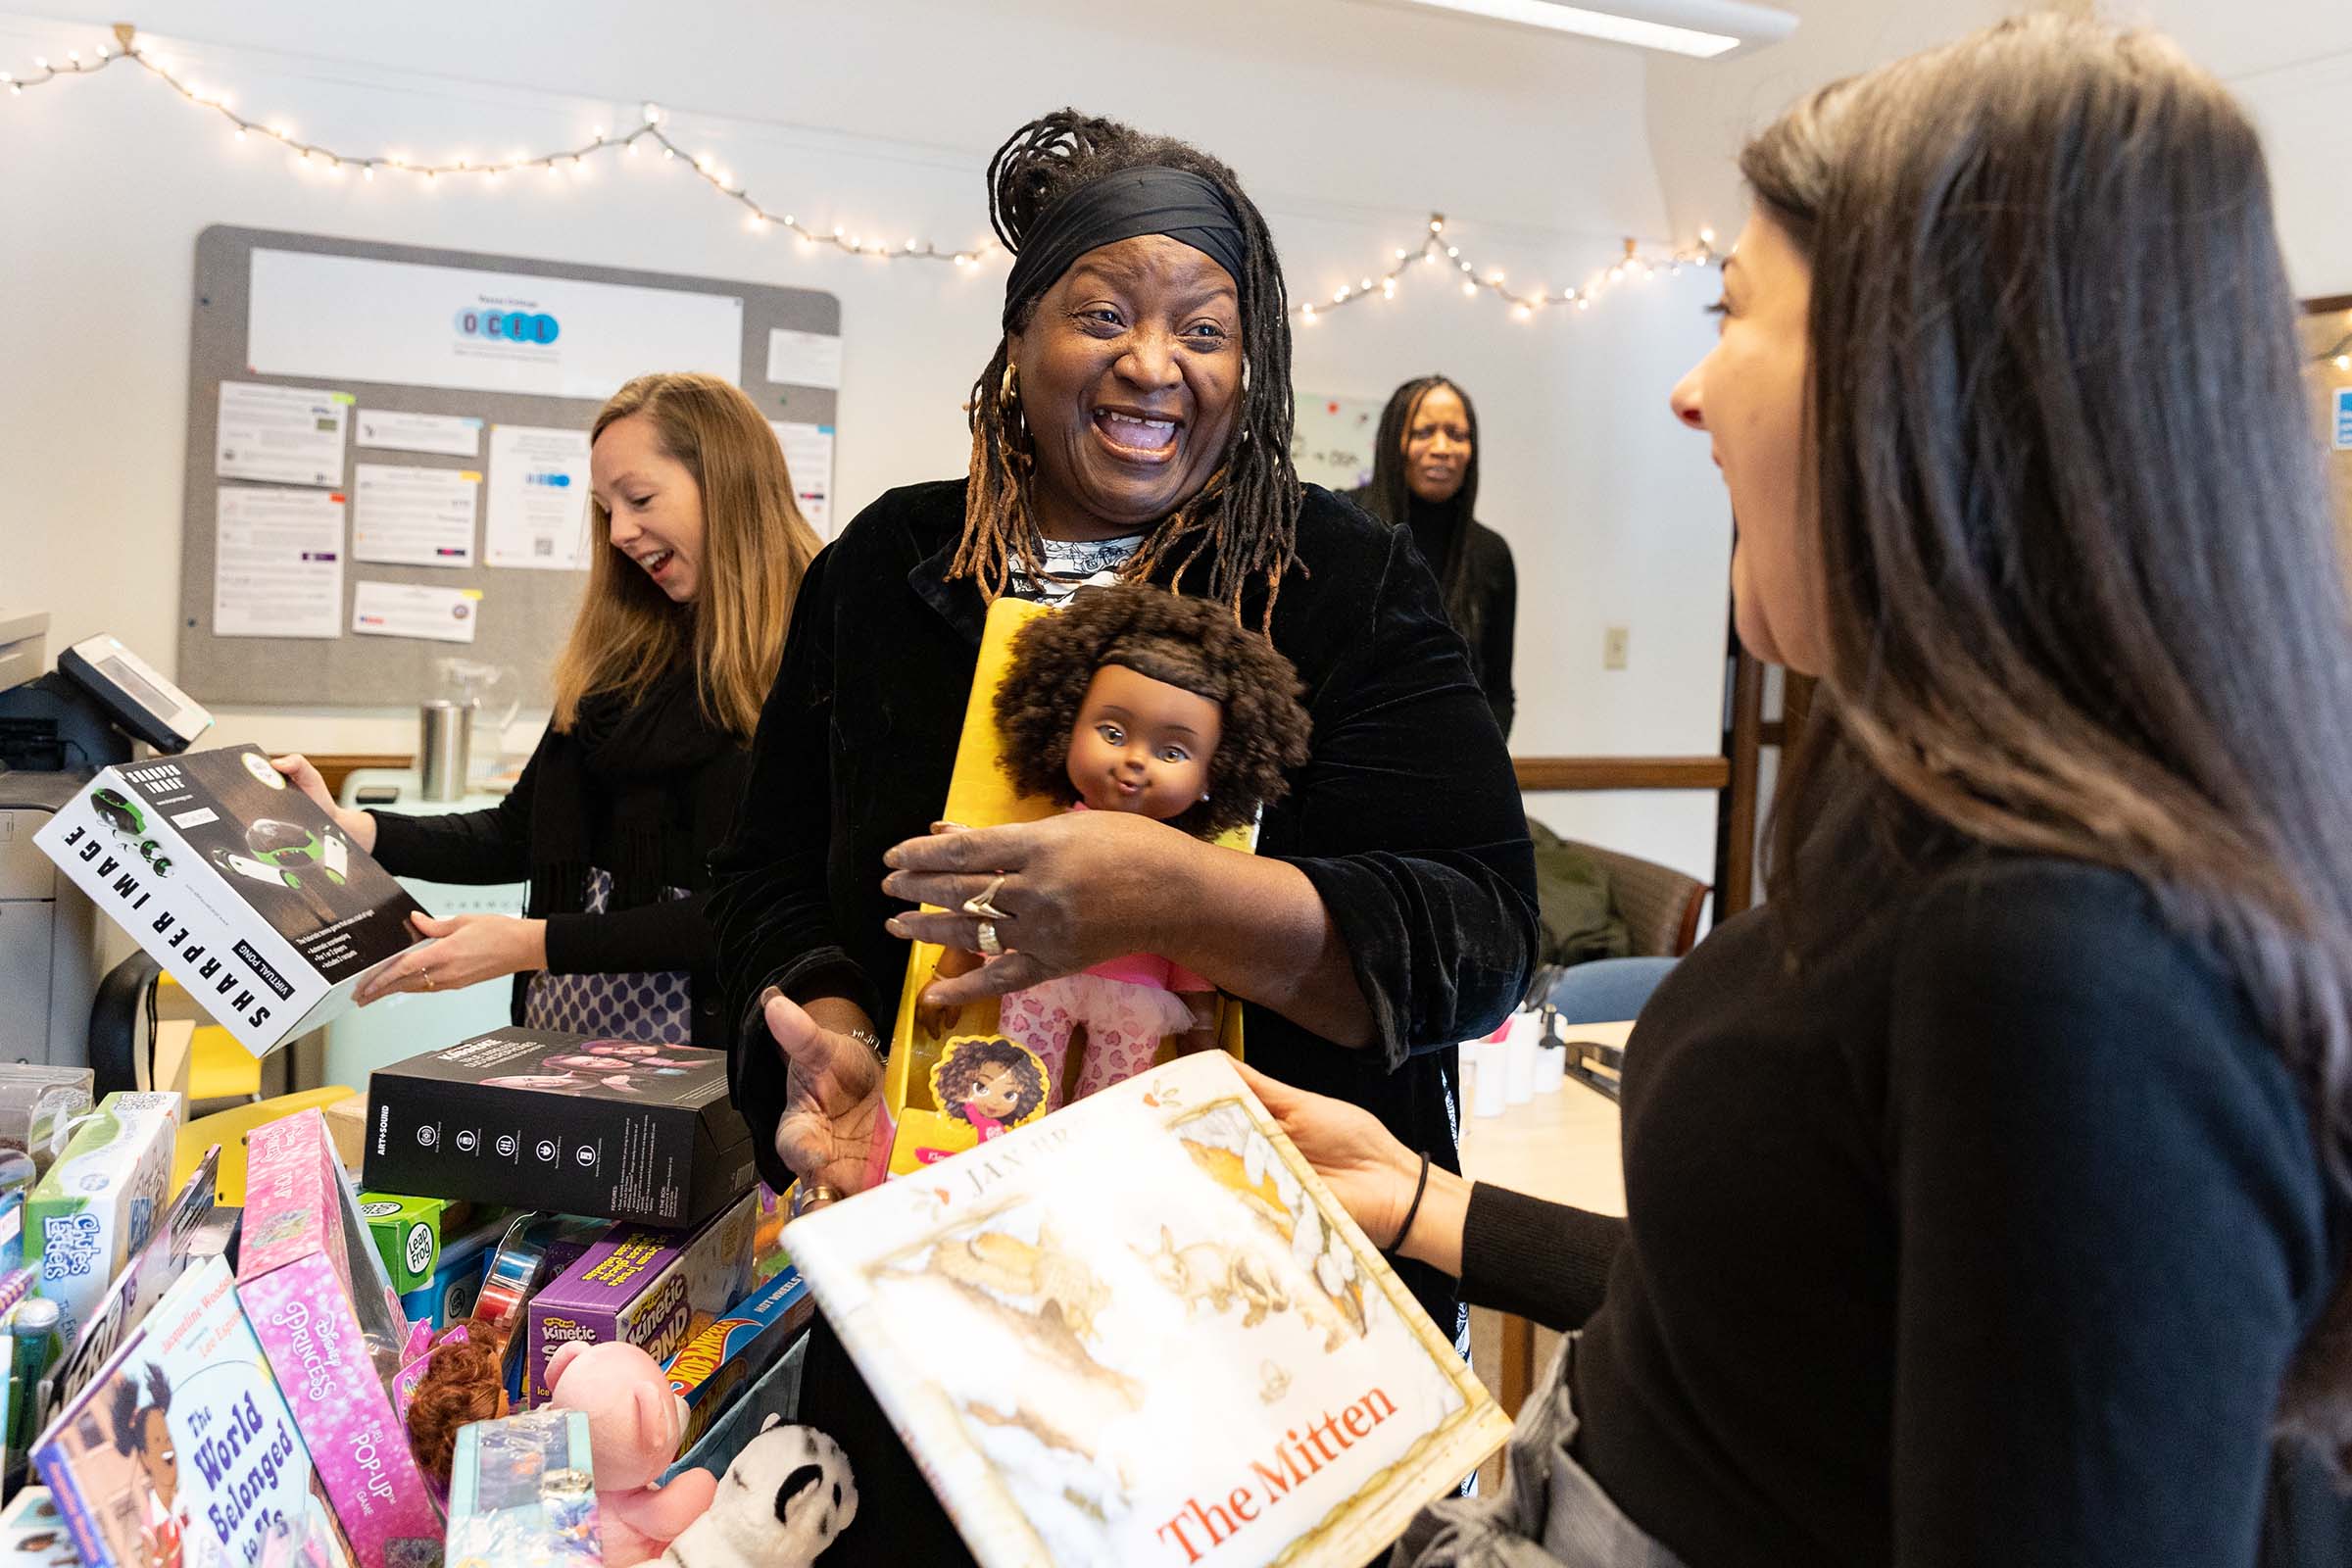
pixel 400 1370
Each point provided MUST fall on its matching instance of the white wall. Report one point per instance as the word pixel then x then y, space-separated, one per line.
pixel 1348 122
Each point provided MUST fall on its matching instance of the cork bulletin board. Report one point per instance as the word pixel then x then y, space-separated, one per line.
pixel 449 393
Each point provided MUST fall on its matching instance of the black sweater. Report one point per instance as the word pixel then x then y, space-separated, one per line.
pixel 494 845
pixel 1406 817
pixel 1985 1240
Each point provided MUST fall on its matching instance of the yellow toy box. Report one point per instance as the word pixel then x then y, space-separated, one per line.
pixel 920 1121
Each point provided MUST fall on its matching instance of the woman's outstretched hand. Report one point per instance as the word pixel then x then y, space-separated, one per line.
pixel 832 1094
pixel 1368 1169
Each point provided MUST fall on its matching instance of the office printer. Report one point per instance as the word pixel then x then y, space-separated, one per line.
pixel 57 728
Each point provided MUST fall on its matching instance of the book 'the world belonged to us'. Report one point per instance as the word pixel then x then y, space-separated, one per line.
pixel 1141 1331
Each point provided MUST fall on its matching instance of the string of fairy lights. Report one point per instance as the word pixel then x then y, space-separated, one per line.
pixel 1436 251
pixel 648 134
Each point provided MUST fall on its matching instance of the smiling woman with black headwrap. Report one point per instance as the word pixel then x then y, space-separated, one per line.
pixel 1134 423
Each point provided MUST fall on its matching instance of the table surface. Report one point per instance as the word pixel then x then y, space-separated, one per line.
pixel 1561 1146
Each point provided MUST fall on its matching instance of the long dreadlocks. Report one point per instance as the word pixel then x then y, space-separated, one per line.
pixel 1245 519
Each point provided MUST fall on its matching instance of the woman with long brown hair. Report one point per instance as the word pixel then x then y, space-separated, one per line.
pixel 657 690
pixel 1987 1189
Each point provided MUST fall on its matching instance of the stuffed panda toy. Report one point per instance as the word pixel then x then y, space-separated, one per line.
pixel 782 1502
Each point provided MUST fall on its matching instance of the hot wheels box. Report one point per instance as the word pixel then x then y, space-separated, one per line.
pixel 647 1287
pixel 315 1291
pixel 241 887
pixel 93 1210
pixel 730 1354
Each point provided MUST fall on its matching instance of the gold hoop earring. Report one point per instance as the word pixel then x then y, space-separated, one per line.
pixel 1007 390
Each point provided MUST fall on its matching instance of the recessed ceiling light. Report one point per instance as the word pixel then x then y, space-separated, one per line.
pixel 1703 29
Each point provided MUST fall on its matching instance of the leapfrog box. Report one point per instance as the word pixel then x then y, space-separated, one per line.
pixel 93 1210
pixel 314 1289
pixel 916 1126
pixel 651 1288
pixel 410 1233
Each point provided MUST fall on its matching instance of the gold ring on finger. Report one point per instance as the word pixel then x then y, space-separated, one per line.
pixel 989 946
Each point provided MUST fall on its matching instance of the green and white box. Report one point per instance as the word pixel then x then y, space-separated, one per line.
pixel 93 1210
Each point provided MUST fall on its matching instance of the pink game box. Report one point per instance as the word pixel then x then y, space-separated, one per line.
pixel 313 1288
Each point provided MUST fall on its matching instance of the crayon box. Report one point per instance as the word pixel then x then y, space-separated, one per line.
pixel 650 1287
pixel 93 1210
pixel 315 1291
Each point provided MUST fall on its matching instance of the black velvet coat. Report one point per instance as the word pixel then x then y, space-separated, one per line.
pixel 1407 818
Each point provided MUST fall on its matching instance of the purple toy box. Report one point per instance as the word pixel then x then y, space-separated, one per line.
pixel 314 1289
pixel 651 1288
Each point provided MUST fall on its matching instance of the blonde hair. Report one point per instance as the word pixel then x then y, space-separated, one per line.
pixel 756 548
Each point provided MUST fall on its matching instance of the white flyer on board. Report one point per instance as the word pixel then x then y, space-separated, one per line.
pixel 444 435
pixel 803 358
pixel 537 506
pixel 809 458
pixel 415 610
pixel 281 434
pixel 277 564
pixel 408 323
pixel 412 517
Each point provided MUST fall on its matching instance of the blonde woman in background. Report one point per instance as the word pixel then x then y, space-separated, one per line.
pixel 657 693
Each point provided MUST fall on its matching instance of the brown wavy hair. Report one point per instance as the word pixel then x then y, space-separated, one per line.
pixel 756 549
pixel 464 1382
pixel 2083 592
pixel 1189 643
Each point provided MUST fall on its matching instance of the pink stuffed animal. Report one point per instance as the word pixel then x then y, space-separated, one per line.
pixel 634 1422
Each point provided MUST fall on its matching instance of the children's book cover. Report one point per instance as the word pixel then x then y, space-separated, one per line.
pixel 1141 1331
pixel 180 1453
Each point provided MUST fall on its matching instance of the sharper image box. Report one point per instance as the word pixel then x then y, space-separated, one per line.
pixel 584 1126
pixel 238 884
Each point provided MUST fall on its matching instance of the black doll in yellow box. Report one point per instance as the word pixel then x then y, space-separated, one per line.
pixel 1133 699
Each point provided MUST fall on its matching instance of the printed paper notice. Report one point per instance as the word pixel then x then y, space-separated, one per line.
pixel 412 517
pixel 281 434
pixel 277 564
pixel 2343 419
pixel 538 498
pixel 445 435
pixel 413 609
pixel 803 358
pixel 808 457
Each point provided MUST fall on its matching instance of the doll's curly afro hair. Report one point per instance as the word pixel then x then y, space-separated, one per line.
pixel 1191 643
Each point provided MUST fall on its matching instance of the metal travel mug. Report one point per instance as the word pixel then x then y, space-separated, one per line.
pixel 444 748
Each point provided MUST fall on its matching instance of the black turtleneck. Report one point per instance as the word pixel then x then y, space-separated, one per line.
pixel 1482 593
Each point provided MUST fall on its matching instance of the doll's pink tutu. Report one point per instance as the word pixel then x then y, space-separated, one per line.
pixel 1125 1022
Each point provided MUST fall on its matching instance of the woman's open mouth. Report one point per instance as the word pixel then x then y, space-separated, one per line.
pixel 1136 437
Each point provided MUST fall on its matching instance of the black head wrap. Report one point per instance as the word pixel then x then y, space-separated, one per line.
pixel 1122 204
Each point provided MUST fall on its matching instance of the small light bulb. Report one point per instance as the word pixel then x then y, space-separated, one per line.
pixel 1309 312
pixel 1495 276
pixel 1452 251
pixel 1366 285
pixel 2343 362
pixel 1582 303
pixel 701 160
pixel 755 222
pixel 1437 225
pixel 669 153
pixel 368 173
pixel 1706 237
pixel 1617 274
pixel 7 76
pixel 632 146
pixel 73 55
pixel 652 114
pixel 40 62
pixel 1388 290
pixel 104 53
pixel 1469 289
pixel 910 245
pixel 551 169
pixel 597 133
pixel 1400 253
pixel 1521 311
pixel 240 133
